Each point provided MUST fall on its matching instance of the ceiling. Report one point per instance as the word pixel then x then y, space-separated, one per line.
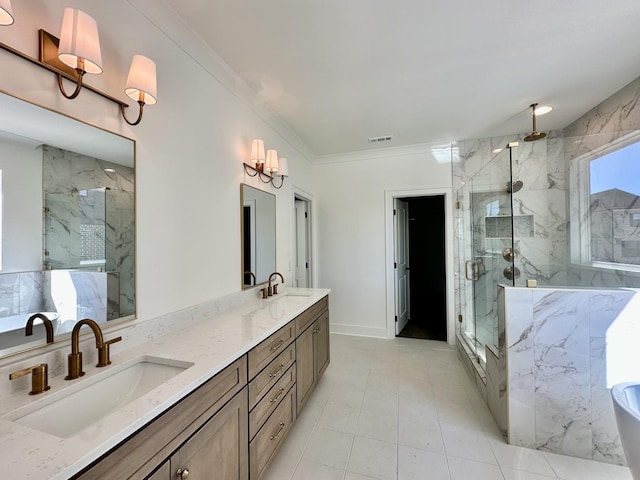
pixel 339 72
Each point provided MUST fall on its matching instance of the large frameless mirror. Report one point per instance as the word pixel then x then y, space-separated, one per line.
pixel 68 223
pixel 258 223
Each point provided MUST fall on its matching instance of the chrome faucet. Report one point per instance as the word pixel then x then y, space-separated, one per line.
pixel 75 357
pixel 273 290
pixel 28 331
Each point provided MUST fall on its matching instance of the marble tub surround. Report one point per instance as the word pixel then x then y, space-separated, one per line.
pixel 210 344
pixel 563 350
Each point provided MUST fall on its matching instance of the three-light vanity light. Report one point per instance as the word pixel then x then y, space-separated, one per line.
pixel 267 165
pixel 77 53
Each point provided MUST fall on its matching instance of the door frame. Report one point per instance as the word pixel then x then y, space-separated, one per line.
pixel 299 194
pixel 389 196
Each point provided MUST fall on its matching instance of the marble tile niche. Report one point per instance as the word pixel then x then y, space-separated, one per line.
pixel 560 352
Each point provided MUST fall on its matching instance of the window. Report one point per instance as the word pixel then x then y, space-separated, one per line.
pixel 605 228
pixel 1 220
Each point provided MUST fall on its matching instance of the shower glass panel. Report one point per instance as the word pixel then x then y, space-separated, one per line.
pixel 75 229
pixel 488 250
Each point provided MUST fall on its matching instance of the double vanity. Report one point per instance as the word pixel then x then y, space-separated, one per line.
pixel 216 397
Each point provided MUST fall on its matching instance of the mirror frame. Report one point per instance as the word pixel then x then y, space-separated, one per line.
pixel 243 286
pixel 116 322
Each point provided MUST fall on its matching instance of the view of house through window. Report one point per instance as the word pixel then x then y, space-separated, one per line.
pixel 1 220
pixel 615 206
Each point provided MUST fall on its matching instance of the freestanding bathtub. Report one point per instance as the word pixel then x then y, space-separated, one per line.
pixel 626 404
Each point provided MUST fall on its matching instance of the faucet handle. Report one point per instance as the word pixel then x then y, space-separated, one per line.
pixel 103 352
pixel 39 377
pixel 264 292
pixel 275 288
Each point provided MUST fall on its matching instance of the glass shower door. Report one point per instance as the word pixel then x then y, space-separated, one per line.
pixel 488 258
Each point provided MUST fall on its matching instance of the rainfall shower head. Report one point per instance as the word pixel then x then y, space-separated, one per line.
pixel 534 135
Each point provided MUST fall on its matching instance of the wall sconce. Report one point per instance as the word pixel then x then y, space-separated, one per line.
pixel 79 47
pixel 266 166
pixel 6 12
pixel 77 53
pixel 141 85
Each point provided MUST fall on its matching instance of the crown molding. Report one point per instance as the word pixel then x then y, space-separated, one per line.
pixel 380 153
pixel 167 21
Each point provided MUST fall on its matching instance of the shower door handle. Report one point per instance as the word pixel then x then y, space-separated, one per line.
pixel 475 274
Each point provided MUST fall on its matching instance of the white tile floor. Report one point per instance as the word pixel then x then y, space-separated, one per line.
pixel 405 409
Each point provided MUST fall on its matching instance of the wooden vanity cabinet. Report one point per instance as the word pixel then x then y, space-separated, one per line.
pixel 219 449
pixel 213 408
pixel 231 427
pixel 312 352
pixel 272 396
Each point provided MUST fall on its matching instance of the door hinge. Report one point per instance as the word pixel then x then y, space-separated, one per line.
pixel 394 211
pixel 306 265
pixel 306 215
pixel 395 265
pixel 457 205
pixel 45 209
pixel 460 318
pixel 396 318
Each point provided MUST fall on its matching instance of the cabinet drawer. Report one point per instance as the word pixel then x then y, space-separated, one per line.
pixel 261 384
pixel 265 444
pixel 271 400
pixel 309 316
pixel 263 354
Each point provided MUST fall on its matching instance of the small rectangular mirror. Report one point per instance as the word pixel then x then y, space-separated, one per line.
pixel 258 225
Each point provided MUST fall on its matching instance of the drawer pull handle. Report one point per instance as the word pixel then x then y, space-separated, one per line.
pixel 182 473
pixel 277 370
pixel 276 345
pixel 277 435
pixel 277 397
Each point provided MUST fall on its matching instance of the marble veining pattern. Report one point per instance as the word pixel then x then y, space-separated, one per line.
pixel 561 346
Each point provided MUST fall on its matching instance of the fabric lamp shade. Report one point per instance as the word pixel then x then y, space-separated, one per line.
pixel 6 12
pixel 283 168
pixel 257 152
pixel 271 164
pixel 79 40
pixel 141 82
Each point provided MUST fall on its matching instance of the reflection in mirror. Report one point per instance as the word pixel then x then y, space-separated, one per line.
pixel 68 223
pixel 258 221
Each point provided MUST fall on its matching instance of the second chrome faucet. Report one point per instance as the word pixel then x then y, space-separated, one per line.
pixel 75 357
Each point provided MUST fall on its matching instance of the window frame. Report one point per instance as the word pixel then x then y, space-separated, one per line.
pixel 580 205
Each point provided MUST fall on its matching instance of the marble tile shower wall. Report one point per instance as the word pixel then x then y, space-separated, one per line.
pixel 67 174
pixel 21 293
pixel 564 349
pixel 539 206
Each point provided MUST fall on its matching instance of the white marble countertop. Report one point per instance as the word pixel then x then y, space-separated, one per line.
pixel 210 345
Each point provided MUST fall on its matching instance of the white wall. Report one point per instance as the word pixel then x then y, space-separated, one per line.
pixel 353 227
pixel 190 145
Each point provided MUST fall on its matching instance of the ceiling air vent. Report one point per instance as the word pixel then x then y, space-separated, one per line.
pixel 386 138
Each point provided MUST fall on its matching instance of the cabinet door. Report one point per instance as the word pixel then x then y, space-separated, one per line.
pixel 163 473
pixel 220 449
pixel 321 345
pixel 305 370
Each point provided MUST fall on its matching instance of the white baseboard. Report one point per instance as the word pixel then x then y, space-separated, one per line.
pixel 358 330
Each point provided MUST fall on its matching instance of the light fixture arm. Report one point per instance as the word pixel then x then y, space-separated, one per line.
pixel 264 177
pixel 533 112
pixel 76 92
pixel 137 120
pixel 281 182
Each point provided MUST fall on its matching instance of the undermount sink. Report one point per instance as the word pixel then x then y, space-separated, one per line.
pixel 89 401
